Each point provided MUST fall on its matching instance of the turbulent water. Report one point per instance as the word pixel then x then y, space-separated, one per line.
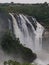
pixel 30 33
pixel 27 34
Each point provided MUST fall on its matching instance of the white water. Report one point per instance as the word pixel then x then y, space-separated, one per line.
pixel 32 40
pixel 38 37
pixel 24 36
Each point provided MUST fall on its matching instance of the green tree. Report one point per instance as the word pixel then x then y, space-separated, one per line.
pixel 5 63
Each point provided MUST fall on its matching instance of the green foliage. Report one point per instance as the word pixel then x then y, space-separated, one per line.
pixel 5 62
pixel 10 44
pixel 10 62
pixel 28 55
pixel 39 11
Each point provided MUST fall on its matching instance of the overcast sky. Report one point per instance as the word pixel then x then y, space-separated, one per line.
pixel 24 1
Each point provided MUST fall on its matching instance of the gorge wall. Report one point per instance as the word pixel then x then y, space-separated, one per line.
pixel 5 24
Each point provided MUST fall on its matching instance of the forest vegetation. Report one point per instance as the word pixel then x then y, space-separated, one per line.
pixel 39 11
pixel 12 45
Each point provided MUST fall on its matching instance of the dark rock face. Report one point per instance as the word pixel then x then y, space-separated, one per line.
pixel 4 24
pixel 32 21
pixel 45 40
pixel 28 55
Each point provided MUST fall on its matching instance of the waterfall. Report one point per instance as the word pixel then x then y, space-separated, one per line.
pixel 22 32
pixel 38 37
pixel 28 36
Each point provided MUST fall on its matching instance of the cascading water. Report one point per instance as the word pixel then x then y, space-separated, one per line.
pixel 32 40
pixel 22 33
pixel 38 37
pixel 29 37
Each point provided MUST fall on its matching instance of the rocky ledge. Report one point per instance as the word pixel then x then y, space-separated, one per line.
pixel 46 33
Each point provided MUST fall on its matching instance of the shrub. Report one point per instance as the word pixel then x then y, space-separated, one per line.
pixel 10 44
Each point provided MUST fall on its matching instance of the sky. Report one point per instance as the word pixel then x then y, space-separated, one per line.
pixel 24 1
